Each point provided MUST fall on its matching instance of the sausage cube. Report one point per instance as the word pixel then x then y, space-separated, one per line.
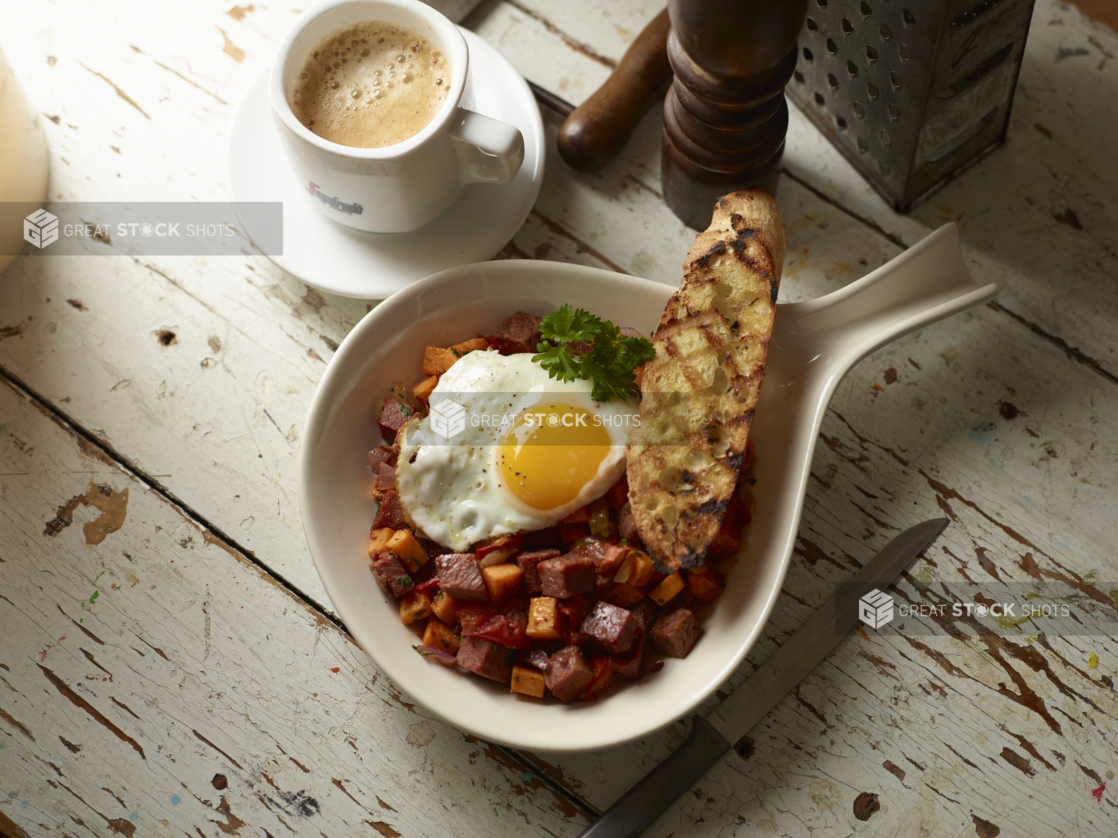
pixel 529 563
pixel 629 664
pixel 567 575
pixel 518 333
pixel 609 627
pixel 390 513
pixel 460 577
pixel 393 416
pixel 489 660
pixel 391 574
pixel 567 674
pixel 676 634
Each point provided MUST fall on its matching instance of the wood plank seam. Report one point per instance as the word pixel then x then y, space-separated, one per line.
pixel 158 488
pixel 567 39
pixel 231 546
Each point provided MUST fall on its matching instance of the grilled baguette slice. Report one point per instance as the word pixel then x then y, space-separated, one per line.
pixel 699 392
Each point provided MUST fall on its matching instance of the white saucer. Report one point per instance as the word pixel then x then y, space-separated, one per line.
pixel 342 261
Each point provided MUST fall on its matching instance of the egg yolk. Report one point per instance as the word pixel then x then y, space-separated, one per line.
pixel 550 453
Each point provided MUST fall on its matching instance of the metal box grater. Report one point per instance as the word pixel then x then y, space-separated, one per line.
pixel 910 91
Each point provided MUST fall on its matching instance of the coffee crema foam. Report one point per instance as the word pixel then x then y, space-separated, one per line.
pixel 371 85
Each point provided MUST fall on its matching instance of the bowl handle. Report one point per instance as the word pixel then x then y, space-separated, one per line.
pixel 926 283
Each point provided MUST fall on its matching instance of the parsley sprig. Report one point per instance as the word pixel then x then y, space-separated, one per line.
pixel 577 344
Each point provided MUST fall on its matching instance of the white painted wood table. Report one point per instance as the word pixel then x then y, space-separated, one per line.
pixel 169 661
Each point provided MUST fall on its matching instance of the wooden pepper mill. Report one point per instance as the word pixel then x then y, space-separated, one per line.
pixel 725 116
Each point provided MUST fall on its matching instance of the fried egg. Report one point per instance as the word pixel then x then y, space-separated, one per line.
pixel 506 449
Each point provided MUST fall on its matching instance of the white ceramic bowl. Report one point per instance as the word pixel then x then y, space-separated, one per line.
pixel 813 346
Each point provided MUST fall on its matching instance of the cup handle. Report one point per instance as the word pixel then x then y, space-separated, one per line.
pixel 489 151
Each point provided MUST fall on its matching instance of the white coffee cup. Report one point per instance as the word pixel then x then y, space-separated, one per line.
pixel 399 187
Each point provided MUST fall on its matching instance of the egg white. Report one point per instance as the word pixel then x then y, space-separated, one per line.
pixel 453 489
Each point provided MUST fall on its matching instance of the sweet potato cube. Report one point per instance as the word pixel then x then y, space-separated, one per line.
pixel 438 635
pixel 502 580
pixel 471 345
pixel 404 545
pixel 636 570
pixel 527 681
pixel 543 618
pixel 706 584
pixel 378 541
pixel 667 589
pixel 422 390
pixel 442 606
pixel 415 606
pixel 437 360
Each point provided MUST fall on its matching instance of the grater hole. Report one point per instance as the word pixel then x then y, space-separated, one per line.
pixel 832 47
pixel 798 76
pixel 883 167
pixel 840 122
pixel 886 32
pixel 811 25
pixel 863 146
pixel 847 27
pixel 865 9
pixel 895 80
pixel 894 113
pixel 822 3
pixel 873 91
pixel 871 54
pixel 807 54
pixel 906 56
pixel 819 100
pixel 859 111
pixel 886 140
pixel 909 19
pixel 832 81
pixel 852 68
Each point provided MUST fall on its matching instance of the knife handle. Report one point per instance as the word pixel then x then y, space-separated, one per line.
pixel 600 127
pixel 668 781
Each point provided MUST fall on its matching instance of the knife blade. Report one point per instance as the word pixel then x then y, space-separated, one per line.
pixel 711 738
